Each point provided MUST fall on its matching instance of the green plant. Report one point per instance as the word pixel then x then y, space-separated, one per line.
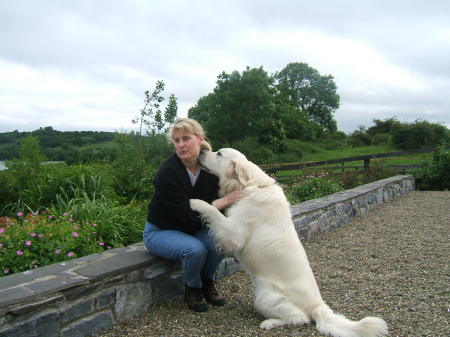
pixel 117 224
pixel 434 175
pixel 312 187
pixel 33 240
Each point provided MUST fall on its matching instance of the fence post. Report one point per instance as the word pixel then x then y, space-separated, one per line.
pixel 366 164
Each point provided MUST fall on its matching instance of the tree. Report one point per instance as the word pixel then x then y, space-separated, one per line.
pixel 314 94
pixel 151 116
pixel 240 106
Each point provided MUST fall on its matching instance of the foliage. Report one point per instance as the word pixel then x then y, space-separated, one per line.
pixel 118 225
pixel 420 134
pixel 41 190
pixel 314 94
pixel 132 169
pixel 151 116
pixel 254 151
pixel 312 187
pixel 69 146
pixel 434 175
pixel 240 105
pixel 405 136
pixel 254 104
pixel 34 240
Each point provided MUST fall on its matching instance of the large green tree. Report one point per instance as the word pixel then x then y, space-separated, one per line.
pixel 241 105
pixel 312 93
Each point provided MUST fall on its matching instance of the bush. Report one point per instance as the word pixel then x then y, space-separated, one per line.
pixel 434 175
pixel 312 187
pixel 34 240
pixel 420 134
pixel 254 151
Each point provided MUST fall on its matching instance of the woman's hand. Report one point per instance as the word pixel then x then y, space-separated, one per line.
pixel 227 200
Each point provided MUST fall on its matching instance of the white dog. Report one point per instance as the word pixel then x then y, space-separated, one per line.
pixel 259 231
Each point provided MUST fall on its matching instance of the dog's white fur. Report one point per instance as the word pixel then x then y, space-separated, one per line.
pixel 259 231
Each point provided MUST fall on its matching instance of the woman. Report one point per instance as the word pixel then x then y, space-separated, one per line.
pixel 173 230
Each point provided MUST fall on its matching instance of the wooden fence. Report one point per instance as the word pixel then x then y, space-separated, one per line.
pixel 274 168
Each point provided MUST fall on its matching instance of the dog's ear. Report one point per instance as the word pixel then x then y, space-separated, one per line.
pixel 248 174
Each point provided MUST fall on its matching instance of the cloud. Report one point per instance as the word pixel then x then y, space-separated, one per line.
pixel 86 64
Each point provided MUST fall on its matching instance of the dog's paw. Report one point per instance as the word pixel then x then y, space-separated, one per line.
pixel 271 323
pixel 198 205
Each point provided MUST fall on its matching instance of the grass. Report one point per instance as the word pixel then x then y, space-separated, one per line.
pixel 350 166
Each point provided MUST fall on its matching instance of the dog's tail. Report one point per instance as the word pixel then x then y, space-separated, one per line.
pixel 331 324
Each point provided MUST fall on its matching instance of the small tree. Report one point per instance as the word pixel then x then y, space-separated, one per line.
pixel 151 116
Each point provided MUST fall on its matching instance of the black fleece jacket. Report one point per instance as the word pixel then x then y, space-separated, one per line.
pixel 169 207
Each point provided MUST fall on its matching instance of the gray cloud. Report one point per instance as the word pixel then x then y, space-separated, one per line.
pixel 86 64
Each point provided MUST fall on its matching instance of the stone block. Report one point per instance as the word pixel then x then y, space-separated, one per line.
pixel 115 264
pixel 106 299
pixel 78 310
pixel 44 324
pixel 33 274
pixel 23 309
pixel 55 283
pixel 15 295
pixel 89 325
pixel 72 294
pixel 133 300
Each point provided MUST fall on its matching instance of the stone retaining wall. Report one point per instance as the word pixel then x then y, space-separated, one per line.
pixel 89 294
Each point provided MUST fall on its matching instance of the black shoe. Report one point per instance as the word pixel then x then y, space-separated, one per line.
pixel 211 294
pixel 194 299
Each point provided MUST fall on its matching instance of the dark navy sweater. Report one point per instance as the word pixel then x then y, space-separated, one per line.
pixel 169 207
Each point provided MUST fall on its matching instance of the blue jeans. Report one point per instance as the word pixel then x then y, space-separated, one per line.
pixel 197 252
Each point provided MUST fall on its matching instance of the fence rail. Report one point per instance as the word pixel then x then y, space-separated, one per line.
pixel 273 168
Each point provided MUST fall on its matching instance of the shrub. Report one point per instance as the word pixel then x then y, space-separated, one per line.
pixel 434 175
pixel 254 151
pixel 420 134
pixel 312 187
pixel 33 240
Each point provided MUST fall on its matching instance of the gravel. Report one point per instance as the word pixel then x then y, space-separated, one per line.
pixel 393 262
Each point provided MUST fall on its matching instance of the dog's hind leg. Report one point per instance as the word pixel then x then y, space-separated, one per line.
pixel 277 309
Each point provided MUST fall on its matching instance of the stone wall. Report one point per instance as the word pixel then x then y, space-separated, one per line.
pixel 89 294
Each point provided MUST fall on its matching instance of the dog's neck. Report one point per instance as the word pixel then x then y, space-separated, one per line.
pixel 229 186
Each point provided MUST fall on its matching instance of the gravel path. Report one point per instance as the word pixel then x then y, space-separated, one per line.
pixel 393 262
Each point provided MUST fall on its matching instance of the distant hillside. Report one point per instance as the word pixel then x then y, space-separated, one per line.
pixel 61 145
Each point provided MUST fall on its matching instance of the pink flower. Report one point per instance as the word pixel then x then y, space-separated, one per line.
pixel 33 235
pixel 94 225
pixel 6 271
pixel 28 243
pixel 2 230
pixel 70 254
pixel 65 214
pixel 50 217
pixel 19 252
pixel 108 247
pixel 41 236
pixel 101 243
pixel 57 251
pixel 75 234
pixel 75 227
pixel 35 213
pixel 1 245
pixel 19 214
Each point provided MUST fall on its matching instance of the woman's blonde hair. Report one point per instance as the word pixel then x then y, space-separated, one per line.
pixel 191 126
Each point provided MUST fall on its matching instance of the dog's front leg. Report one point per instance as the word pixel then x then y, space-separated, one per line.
pixel 221 227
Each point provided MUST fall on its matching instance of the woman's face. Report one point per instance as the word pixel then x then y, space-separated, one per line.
pixel 187 145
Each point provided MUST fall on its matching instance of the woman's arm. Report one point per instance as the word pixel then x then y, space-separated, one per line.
pixel 227 200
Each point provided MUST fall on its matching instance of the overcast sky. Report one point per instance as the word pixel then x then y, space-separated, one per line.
pixel 84 65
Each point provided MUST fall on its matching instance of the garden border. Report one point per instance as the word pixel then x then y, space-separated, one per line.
pixel 86 295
